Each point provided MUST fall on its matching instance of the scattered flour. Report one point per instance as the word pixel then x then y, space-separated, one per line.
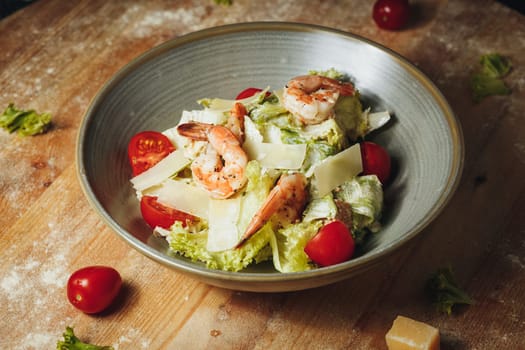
pixel 131 338
pixel 36 287
pixel 159 19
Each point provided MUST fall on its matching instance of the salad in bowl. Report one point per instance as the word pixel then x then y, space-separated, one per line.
pixel 283 175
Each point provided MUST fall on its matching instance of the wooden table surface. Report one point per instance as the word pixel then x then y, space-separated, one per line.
pixel 55 55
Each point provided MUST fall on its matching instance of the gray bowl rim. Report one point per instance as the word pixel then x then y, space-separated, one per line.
pixel 342 270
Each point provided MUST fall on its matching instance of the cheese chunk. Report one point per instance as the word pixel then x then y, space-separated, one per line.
pixel 408 334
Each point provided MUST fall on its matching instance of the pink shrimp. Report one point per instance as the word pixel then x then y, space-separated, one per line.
pixel 311 98
pixel 236 120
pixel 287 199
pixel 220 169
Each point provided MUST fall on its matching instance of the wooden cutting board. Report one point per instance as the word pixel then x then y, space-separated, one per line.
pixel 56 55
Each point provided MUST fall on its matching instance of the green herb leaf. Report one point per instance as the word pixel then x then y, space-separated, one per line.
pixel 484 85
pixel 488 80
pixel 445 292
pixel 494 65
pixel 223 2
pixel 71 342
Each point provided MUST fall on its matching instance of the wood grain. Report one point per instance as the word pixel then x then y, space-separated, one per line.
pixel 56 55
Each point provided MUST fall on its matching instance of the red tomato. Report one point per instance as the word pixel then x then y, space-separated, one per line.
pixel 376 161
pixel 156 214
pixel 332 245
pixel 146 149
pixel 391 14
pixel 93 288
pixel 249 92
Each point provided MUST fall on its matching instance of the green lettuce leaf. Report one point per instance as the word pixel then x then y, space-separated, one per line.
pixel 193 246
pixel 349 115
pixel 191 241
pixel 364 194
pixel 494 65
pixel 25 123
pixel 329 73
pixel 488 80
pixel 288 246
pixel 484 85
pixel 320 208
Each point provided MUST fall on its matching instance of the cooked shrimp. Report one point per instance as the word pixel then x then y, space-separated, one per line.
pixel 311 98
pixel 220 169
pixel 236 120
pixel 287 199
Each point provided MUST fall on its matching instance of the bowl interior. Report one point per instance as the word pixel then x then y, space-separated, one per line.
pixel 150 93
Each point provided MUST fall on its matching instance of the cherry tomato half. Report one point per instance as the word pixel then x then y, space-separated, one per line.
pixel 146 149
pixel 391 14
pixel 249 92
pixel 92 289
pixel 156 214
pixel 332 245
pixel 376 161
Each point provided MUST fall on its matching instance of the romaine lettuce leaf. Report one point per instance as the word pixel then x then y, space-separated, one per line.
pixel 25 123
pixel 288 246
pixel 349 115
pixel 191 241
pixel 320 208
pixel 365 196
pixel 193 246
pixel 488 80
pixel 329 73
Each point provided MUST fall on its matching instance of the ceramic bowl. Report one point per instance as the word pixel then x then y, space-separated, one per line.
pixel 423 138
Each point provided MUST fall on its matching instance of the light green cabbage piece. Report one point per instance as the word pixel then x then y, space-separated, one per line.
pixel 329 73
pixel 257 189
pixel 288 246
pixel 328 131
pixel 349 115
pixel 267 111
pixel 193 246
pixel 365 196
pixel 323 140
pixel 320 208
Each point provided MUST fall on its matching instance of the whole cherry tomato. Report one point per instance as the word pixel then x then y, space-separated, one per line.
pixel 376 161
pixel 92 289
pixel 146 149
pixel 391 14
pixel 156 214
pixel 333 244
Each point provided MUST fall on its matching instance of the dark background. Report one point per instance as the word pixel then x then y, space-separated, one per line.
pixel 9 6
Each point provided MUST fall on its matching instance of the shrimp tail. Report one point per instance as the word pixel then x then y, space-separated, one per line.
pixel 289 193
pixel 261 217
pixel 235 121
pixel 195 131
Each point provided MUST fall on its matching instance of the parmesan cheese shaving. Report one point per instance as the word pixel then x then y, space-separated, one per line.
pixel 223 232
pixel 337 169
pixel 184 197
pixel 276 155
pixel 169 165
